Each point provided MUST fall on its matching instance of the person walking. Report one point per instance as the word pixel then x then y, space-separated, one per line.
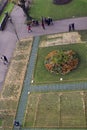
pixel 29 28
pixel 5 60
pixel 73 27
pixel 70 27
pixel 51 21
pixel 48 21
pixel 16 123
pixel 42 22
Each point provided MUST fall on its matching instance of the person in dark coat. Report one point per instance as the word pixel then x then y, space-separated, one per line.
pixel 73 26
pixel 42 22
pixel 70 27
pixel 16 123
pixel 49 21
pixel 4 58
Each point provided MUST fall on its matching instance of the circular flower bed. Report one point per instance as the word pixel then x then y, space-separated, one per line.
pixel 61 62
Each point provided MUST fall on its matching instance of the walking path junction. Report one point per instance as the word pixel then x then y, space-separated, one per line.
pixel 18 31
pixel 28 88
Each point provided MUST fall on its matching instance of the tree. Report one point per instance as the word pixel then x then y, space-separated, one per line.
pixel 25 7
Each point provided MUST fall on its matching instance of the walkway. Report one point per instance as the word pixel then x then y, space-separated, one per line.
pixel 27 82
pixel 8 39
pixel 59 26
pixel 28 88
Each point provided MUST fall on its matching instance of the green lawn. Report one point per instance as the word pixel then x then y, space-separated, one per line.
pixel 46 8
pixel 55 110
pixel 8 9
pixel 72 110
pixel 0 122
pixel 41 75
pixel 83 35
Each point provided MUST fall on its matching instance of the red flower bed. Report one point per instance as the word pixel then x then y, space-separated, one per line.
pixel 61 62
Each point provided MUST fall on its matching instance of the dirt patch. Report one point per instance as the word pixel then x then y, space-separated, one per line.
pixel 61 39
pixel 13 82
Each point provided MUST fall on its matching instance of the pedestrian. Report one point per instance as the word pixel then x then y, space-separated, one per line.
pixel 73 26
pixel 33 22
pixel 70 27
pixel 4 58
pixel 16 123
pixel 42 22
pixel 51 21
pixel 36 22
pixel 29 28
pixel 48 21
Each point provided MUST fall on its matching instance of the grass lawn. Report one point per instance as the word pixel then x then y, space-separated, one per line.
pixel 83 35
pixel 46 8
pixel 8 9
pixel 41 75
pixel 72 110
pixel 55 110
pixel 0 122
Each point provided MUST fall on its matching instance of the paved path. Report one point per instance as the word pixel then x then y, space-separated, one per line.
pixel 28 88
pixel 12 34
pixel 8 37
pixel 59 26
pixel 27 82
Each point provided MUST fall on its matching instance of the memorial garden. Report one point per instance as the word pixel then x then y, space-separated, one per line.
pixel 56 100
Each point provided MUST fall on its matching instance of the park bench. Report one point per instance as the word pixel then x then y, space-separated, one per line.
pixel 4 21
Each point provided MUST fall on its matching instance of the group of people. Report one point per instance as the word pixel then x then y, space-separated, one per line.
pixel 44 21
pixel 47 21
pixel 35 22
pixel 71 27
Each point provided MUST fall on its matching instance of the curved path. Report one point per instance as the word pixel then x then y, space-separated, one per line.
pixel 18 31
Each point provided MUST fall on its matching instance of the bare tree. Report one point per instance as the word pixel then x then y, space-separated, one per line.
pixel 24 4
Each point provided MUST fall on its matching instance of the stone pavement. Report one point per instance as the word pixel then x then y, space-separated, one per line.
pixel 18 30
